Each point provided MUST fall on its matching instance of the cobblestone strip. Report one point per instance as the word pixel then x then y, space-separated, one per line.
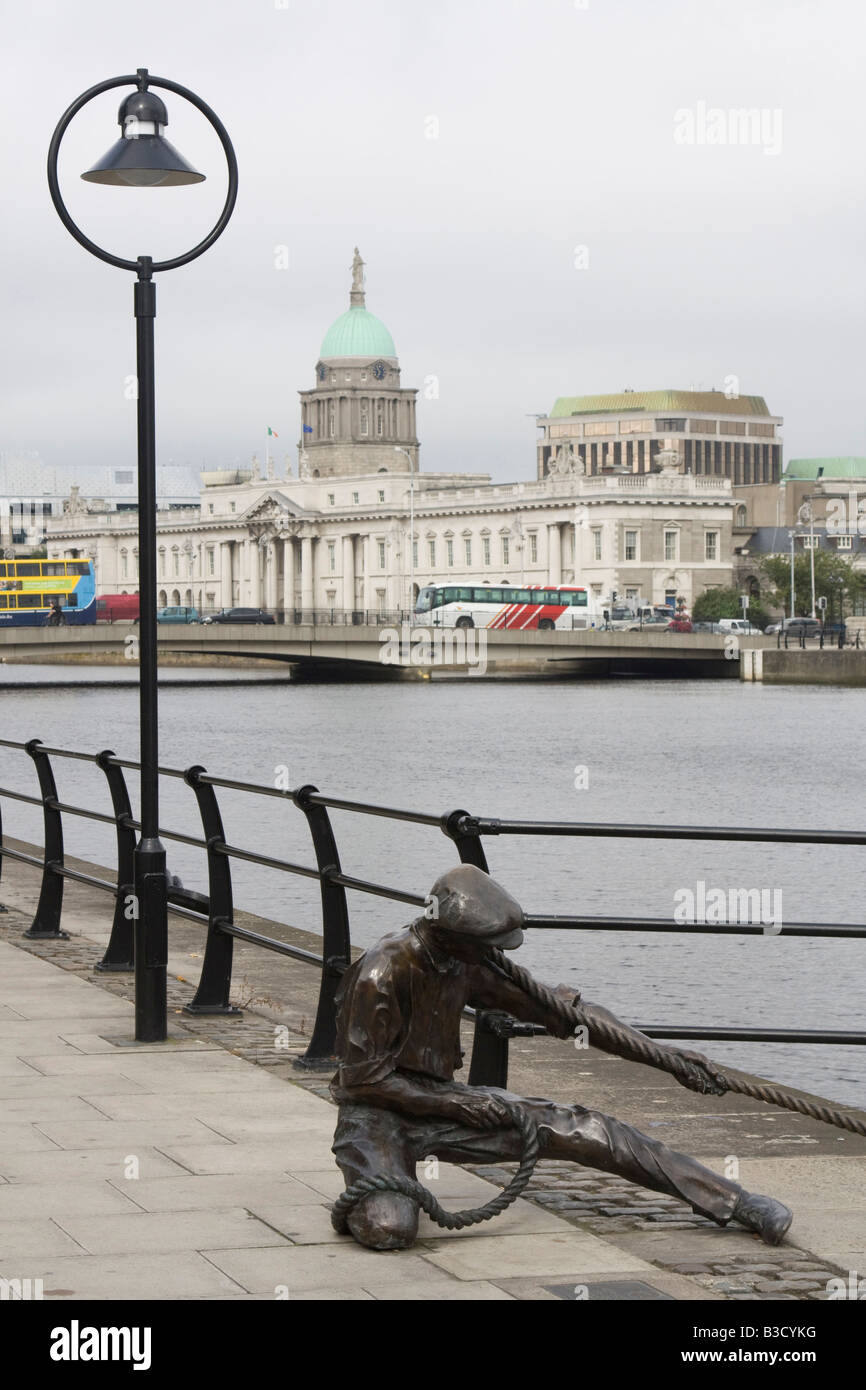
pixel 609 1206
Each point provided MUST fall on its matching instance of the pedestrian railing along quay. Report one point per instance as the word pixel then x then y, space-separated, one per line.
pixel 215 911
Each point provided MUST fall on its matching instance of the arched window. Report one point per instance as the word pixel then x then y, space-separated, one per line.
pixel 161 599
pixel 175 598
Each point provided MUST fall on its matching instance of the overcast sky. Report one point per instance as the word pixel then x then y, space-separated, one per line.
pixel 556 125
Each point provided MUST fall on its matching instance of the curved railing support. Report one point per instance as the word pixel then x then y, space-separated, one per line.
pixel 336 941
pixel 46 923
pixel 214 986
pixel 120 951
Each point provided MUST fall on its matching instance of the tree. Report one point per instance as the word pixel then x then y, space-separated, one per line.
pixel 836 579
pixel 726 603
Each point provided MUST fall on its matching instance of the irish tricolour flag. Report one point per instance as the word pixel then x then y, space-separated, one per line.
pixel 272 433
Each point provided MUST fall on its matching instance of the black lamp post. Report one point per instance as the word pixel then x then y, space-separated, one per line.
pixel 143 158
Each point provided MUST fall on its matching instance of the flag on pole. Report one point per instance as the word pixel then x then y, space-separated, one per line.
pixel 308 429
pixel 272 433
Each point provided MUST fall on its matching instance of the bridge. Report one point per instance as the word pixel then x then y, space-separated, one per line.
pixel 385 651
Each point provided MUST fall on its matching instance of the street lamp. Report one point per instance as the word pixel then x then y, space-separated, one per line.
pixel 143 158
pixel 399 450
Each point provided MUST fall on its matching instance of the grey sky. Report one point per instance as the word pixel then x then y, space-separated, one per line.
pixel 556 130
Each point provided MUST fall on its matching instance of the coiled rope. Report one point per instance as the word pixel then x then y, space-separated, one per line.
pixel 451 1220
pixel 605 1033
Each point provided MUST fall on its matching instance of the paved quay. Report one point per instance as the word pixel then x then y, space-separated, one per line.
pixel 200 1168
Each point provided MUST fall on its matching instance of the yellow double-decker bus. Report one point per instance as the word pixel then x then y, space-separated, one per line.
pixel 32 592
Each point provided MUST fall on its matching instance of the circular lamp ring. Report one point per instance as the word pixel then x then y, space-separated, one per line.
pixel 63 212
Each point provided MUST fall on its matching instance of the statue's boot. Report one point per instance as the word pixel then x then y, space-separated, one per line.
pixel 764 1215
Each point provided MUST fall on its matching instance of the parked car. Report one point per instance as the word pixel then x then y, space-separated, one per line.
pixel 795 627
pixel 240 615
pixel 656 623
pixel 742 626
pixel 117 608
pixel 177 615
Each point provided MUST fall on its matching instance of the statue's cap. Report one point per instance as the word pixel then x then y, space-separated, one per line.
pixel 473 905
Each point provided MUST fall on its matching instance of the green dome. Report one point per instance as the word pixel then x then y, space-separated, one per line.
pixel 358 333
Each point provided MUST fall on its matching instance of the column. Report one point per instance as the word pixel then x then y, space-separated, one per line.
pixel 366 591
pixel 270 560
pixel 255 580
pixel 288 578
pixel 349 573
pixel 307 591
pixel 554 555
pixel 226 574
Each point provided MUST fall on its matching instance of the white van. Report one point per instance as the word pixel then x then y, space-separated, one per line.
pixel 742 626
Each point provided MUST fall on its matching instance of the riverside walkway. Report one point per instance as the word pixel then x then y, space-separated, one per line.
pixel 200 1168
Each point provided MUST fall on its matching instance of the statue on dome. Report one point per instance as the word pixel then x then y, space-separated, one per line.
pixel 357 271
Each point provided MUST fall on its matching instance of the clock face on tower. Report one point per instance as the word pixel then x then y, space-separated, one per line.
pixel 379 371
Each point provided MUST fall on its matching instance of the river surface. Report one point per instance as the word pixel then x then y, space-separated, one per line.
pixel 663 752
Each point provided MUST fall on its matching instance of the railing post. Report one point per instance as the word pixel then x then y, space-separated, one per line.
pixel 120 951
pixel 46 923
pixel 215 982
pixel 489 1062
pixel 336 938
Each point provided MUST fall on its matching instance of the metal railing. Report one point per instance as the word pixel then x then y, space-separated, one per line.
pixel 214 910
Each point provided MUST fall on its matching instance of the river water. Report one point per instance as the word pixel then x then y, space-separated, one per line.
pixel 664 752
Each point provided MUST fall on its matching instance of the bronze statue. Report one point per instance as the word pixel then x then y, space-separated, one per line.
pixel 398 1043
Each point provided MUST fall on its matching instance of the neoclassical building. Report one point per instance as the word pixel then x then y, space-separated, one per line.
pixel 336 537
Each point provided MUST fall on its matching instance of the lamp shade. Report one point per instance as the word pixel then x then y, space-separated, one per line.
pixel 142 157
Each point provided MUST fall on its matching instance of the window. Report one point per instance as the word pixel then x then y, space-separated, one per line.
pixel 603 427
pixel 596 545
pixel 732 427
pixel 210 561
pixel 233 506
pixel 331 498
pixel 506 550
pixel 763 431
pixel 380 546
pixel 122 476
pixel 162 561
pixel 380 419
pixel 210 508
pixel 711 545
pixel 631 595
pixel 533 548
pixel 175 562
pixel 365 422
pixel 356 497
pixel 635 426
pixel 702 427
pixel 485 549
pixel 843 542
pixel 631 545
pixel 332 556
pixel 363 376
pixel 670 423
pixel 431 553
pixel 332 424
pixel 124 565
pixel 467 550
pixel 671 545
pixel 381 494
pixel 449 553
pixel 810 542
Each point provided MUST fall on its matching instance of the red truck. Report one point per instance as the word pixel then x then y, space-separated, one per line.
pixel 117 608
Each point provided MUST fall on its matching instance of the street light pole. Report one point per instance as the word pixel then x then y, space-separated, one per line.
pixel 143 158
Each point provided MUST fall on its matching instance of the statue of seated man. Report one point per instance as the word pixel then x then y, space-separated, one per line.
pixel 398 1041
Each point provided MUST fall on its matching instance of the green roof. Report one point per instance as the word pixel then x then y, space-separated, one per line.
pixel 358 333
pixel 661 402
pixel 833 468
